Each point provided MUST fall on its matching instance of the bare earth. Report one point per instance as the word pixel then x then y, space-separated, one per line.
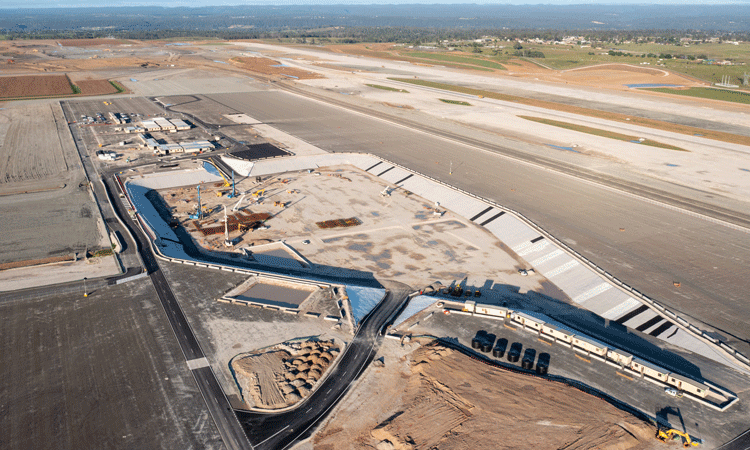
pixel 34 86
pixel 441 399
pixel 95 87
pixel 283 375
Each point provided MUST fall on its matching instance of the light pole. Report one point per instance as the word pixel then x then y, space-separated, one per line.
pixel 85 292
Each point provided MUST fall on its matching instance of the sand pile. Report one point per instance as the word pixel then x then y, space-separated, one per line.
pixel 283 375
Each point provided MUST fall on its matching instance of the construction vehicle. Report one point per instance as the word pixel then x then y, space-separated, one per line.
pixel 259 193
pixel 667 434
pixel 279 204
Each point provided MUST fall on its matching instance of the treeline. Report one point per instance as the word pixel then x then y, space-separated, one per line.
pixel 388 22
pixel 419 36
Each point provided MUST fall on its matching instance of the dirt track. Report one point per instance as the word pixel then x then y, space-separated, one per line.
pixel 445 400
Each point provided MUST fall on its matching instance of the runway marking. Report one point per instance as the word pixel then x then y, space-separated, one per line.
pixel 632 314
pixel 649 323
pixel 374 166
pixel 593 292
pixel 546 257
pixel 386 170
pixel 564 268
pixel 404 179
pixel 492 218
pixel 620 309
pixel 197 363
pixel 484 211
pixel 534 248
pixel 661 329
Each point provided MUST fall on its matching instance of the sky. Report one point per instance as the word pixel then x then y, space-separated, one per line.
pixel 6 4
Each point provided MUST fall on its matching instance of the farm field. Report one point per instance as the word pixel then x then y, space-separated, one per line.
pixel 34 86
pixel 96 87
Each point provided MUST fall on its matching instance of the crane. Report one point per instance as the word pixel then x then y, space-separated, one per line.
pixel 227 242
pixel 237 206
pixel 226 182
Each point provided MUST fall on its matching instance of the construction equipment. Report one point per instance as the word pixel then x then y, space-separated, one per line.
pixel 213 163
pixel 667 434
pixel 199 213
pixel 234 192
pixel 237 206
pixel 279 204
pixel 259 193
pixel 227 242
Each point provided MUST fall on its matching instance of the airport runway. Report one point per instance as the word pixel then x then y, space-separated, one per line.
pixel 279 430
pixel 656 247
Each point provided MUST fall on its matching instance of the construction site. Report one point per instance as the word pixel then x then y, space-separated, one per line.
pixel 281 224
pixel 337 219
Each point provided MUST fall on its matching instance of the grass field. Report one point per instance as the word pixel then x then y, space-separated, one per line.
pixel 602 133
pixel 461 59
pixel 454 102
pixel 650 123
pixel 117 86
pixel 387 88
pixel 710 93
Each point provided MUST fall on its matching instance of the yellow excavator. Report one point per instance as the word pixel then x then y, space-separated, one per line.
pixel 667 434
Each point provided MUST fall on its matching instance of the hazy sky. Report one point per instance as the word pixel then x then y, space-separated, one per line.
pixel 168 3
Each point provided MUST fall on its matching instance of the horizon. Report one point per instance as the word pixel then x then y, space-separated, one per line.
pixel 47 4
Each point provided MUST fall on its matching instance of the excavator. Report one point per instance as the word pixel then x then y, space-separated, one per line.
pixel 667 434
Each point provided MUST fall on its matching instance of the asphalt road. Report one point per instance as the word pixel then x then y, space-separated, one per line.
pixel 657 246
pixel 218 405
pixel 741 442
pixel 279 430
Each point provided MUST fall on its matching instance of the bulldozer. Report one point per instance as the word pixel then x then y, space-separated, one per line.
pixel 667 434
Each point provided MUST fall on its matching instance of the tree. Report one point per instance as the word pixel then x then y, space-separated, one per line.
pixel 517 45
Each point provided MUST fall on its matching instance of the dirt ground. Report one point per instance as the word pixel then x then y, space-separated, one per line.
pixel 284 375
pixel 268 66
pixel 34 86
pixel 95 87
pixel 92 42
pixel 440 399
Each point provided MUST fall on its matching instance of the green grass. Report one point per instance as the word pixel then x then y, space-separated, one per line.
pixel 76 89
pixel 710 93
pixel 447 57
pixel 117 86
pixel 454 102
pixel 387 88
pixel 602 133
